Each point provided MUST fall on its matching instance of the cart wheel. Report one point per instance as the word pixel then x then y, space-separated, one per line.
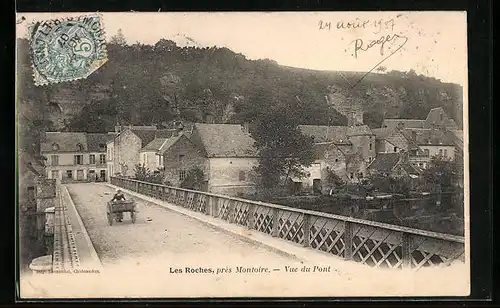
pixel 133 216
pixel 110 219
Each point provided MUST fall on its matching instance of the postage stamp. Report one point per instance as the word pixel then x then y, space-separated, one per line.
pixel 67 49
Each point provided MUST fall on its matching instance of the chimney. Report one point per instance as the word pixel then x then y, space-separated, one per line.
pixel 245 127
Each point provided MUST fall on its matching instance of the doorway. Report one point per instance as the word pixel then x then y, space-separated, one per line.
pixel 102 174
pixel 317 186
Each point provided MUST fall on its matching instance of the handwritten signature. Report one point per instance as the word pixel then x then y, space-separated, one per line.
pixel 359 45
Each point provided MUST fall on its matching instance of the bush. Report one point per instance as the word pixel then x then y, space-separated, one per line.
pixel 194 179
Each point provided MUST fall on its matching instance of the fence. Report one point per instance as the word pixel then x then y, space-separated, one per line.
pixel 372 243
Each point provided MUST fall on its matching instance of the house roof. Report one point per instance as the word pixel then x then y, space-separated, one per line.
pixel 426 137
pixel 169 142
pixel 323 133
pixel 434 117
pixel 354 162
pixel 321 149
pixel 384 162
pixel 154 145
pixel 457 137
pixel 66 142
pixel 225 140
pixel 95 139
pixel 393 136
pixel 406 123
pixel 147 135
pixel 359 130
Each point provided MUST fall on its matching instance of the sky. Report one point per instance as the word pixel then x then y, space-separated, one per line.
pixel 431 43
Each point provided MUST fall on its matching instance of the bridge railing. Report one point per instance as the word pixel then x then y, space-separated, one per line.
pixel 369 242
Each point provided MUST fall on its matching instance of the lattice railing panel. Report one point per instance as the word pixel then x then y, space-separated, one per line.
pixel 290 226
pixel 376 246
pixel 428 251
pixel 224 209
pixel 326 235
pixel 201 203
pixel 367 242
pixel 263 217
pixel 240 214
pixel 190 200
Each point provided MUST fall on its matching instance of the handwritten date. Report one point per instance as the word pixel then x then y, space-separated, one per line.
pixel 379 24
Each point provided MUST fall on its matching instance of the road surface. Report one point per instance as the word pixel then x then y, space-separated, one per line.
pixel 167 254
pixel 157 232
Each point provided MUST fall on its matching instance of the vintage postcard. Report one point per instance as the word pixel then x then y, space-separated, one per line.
pixel 209 155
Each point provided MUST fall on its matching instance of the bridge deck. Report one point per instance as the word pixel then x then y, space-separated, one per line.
pixel 144 260
pixel 157 233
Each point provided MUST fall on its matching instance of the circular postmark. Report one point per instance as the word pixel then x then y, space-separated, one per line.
pixel 65 50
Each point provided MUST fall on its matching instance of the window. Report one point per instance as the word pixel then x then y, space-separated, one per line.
pixel 242 176
pixel 54 160
pixel 395 149
pixel 181 157
pixel 371 146
pixel 426 152
pixel 55 174
pixel 78 159
pixel 441 117
pixel 351 175
pixel 440 152
pixel 102 147
pixel 69 174
pixel 145 158
pixel 445 152
pixel 80 147
pixel 336 160
pixel 102 158
pixel 55 146
pixel 156 172
pixel 92 159
pixel 182 175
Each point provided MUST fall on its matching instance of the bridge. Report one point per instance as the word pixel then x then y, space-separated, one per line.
pixel 234 244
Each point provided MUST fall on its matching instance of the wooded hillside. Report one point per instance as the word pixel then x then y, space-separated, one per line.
pixel 144 84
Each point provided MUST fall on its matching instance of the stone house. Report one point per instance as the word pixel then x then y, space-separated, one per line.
pixel 328 158
pixel 127 146
pixel 390 140
pixel 429 143
pixel 148 156
pixel 75 156
pixel 345 150
pixel 349 139
pixel 178 155
pixel 393 164
pixel 224 152
pixel 436 117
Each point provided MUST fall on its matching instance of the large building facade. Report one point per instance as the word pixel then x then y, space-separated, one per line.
pixel 75 156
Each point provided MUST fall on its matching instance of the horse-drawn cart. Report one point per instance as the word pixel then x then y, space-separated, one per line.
pixel 117 208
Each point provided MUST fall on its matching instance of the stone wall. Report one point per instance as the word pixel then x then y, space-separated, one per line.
pixel 183 156
pixel 127 148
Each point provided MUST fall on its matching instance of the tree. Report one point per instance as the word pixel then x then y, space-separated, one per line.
pixel 118 39
pixel 334 180
pixel 441 172
pixel 283 149
pixel 141 172
pixel 194 179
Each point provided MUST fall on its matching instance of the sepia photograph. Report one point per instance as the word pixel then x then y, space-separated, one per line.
pixel 229 155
